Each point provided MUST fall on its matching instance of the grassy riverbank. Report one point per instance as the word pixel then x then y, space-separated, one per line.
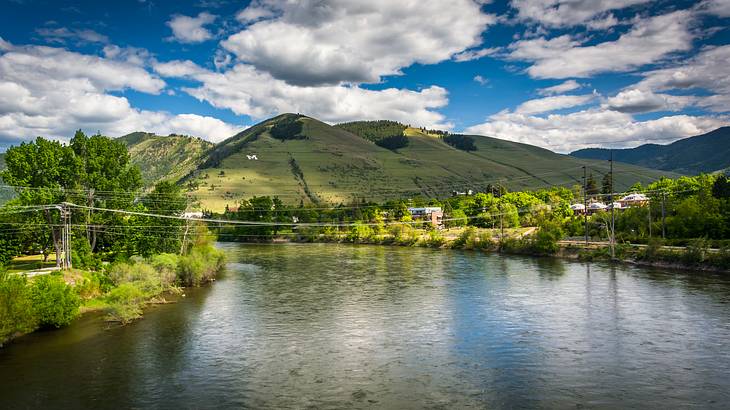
pixel 534 241
pixel 121 290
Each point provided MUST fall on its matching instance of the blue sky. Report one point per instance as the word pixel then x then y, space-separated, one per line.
pixel 559 74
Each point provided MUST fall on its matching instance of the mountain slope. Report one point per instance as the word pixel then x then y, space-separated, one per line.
pixel 703 153
pixel 302 159
pixel 160 157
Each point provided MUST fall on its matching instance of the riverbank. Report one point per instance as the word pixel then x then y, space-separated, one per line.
pixel 121 290
pixel 532 242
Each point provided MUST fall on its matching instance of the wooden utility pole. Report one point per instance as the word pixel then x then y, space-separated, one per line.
pixel 664 197
pixel 585 202
pixel 613 218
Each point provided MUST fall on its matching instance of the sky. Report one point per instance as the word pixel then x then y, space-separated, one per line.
pixel 560 74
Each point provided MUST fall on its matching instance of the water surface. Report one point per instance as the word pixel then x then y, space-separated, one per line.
pixel 332 326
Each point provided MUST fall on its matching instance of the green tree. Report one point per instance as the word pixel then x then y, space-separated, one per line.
pixel 55 303
pixel 591 187
pixel 44 172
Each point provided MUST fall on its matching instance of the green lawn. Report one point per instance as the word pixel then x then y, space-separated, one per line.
pixel 31 262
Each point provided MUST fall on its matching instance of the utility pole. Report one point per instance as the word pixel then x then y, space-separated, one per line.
pixel 585 203
pixel 65 214
pixel 501 224
pixel 613 218
pixel 664 197
pixel 648 208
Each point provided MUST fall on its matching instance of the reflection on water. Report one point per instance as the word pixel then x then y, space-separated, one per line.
pixel 335 326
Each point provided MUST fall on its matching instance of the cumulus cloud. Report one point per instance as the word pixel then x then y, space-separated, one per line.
pixel 635 100
pixel 548 104
pixel 247 91
pixel 705 71
pixel 563 87
pixel 566 13
pixel 648 41
pixel 311 43
pixel 51 92
pixel 594 127
pixel 186 29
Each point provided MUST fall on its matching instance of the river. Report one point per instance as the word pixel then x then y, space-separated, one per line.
pixel 333 326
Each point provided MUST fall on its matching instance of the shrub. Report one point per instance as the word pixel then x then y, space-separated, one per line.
pixel 166 265
pixel 82 256
pixel 56 303
pixel 435 239
pixel 125 303
pixel 467 239
pixel 16 306
pixel 545 241
pixel 695 251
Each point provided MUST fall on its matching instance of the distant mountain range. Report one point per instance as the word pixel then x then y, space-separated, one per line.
pixel 300 158
pixel 703 153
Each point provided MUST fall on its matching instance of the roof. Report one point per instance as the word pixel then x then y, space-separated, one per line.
pixel 576 207
pixel 425 210
pixel 635 197
pixel 597 205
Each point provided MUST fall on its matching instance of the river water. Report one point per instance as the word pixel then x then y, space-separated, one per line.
pixel 333 326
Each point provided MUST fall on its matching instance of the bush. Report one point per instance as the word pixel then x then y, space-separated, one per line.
pixel 467 239
pixel 82 256
pixel 16 306
pixel 56 303
pixel 435 239
pixel 125 303
pixel 545 241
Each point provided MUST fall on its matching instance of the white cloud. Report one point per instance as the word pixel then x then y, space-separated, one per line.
pixel 178 68
pixel 567 13
pixel 469 55
pixel 563 87
pixel 247 91
pixel 62 34
pixel 51 92
pixel 186 29
pixel 720 8
pixel 557 102
pixel 648 41
pixel 593 128
pixel 707 70
pixel 255 11
pixel 481 80
pixel 635 100
pixel 348 41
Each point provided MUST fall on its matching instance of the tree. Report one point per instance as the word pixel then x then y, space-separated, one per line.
pixel 607 184
pixel 44 172
pixel 107 179
pixel 721 187
pixel 591 187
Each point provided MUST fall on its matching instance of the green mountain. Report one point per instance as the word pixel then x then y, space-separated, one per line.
pixel 703 153
pixel 299 158
pixel 165 157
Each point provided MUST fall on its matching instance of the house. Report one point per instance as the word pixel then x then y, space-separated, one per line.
pixel 193 215
pixel 596 207
pixel 578 209
pixel 634 200
pixel 468 192
pixel 433 214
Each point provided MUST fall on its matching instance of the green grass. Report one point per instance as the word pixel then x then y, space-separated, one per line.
pixel 30 263
pixel 165 157
pixel 334 166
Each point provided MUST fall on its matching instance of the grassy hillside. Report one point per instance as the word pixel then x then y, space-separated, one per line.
pixel 703 153
pixel 326 164
pixel 161 157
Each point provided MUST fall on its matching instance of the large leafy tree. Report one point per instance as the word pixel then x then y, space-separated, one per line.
pixel 107 179
pixel 44 172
